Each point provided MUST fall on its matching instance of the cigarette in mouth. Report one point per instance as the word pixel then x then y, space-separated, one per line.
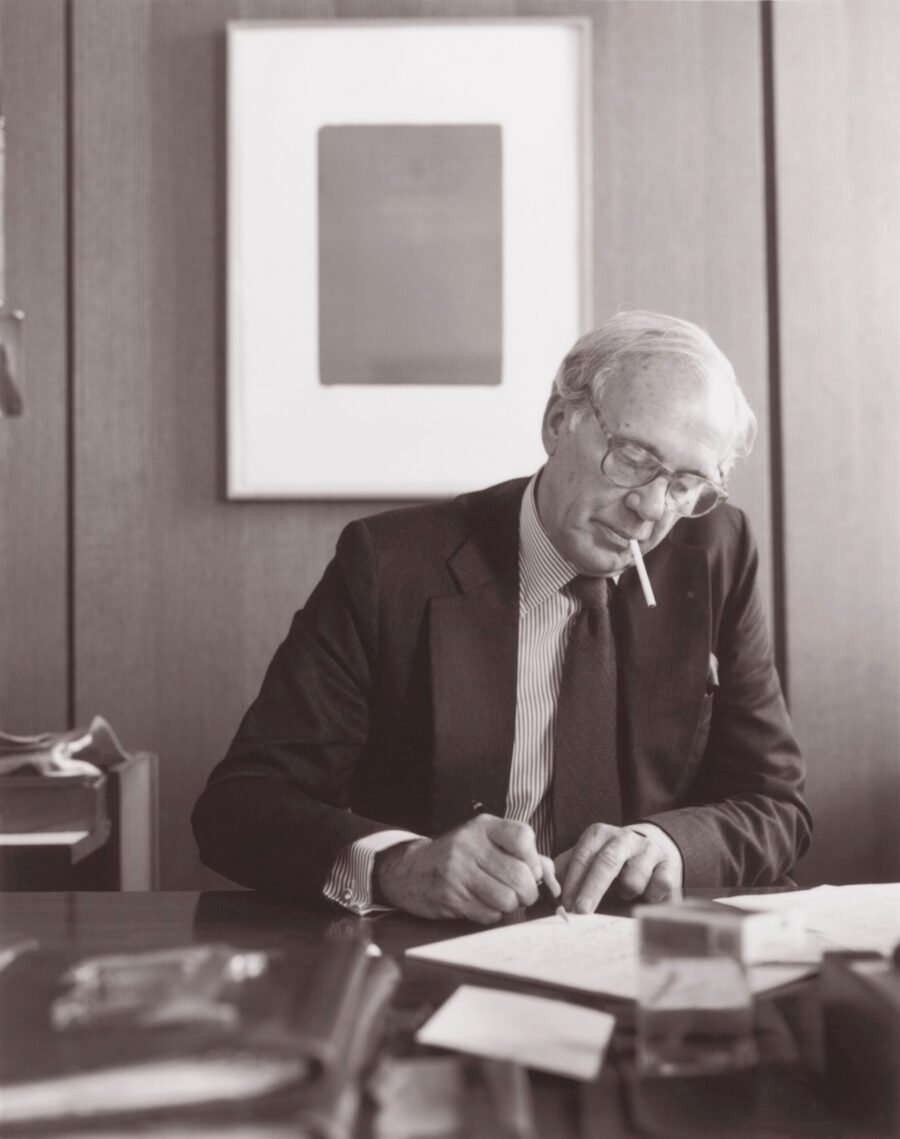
pixel 642 574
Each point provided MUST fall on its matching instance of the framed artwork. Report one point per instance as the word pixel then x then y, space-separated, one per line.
pixel 408 250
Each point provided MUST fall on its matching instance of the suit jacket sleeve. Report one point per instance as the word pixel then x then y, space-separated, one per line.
pixel 275 812
pixel 743 820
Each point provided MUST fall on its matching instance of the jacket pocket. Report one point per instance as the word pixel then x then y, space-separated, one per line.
pixel 698 747
pixel 701 735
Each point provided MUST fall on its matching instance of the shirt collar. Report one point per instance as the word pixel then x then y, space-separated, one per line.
pixel 543 570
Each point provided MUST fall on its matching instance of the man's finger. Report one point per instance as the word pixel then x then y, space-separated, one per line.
pixel 561 864
pixel 491 892
pixel 548 875
pixel 473 909
pixel 574 864
pixel 510 872
pixel 603 870
pixel 517 839
pixel 636 875
pixel 664 883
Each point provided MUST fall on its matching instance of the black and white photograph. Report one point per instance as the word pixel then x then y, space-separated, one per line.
pixel 449 623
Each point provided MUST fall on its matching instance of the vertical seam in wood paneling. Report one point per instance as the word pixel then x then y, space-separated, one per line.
pixel 773 313
pixel 70 361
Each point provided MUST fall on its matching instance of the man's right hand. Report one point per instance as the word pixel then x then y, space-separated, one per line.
pixel 482 870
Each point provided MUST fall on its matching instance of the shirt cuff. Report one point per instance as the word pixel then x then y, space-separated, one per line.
pixel 658 836
pixel 350 881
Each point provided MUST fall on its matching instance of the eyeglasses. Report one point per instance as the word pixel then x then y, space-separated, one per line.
pixel 628 464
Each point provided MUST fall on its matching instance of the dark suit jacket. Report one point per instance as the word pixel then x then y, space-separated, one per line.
pixel 392 702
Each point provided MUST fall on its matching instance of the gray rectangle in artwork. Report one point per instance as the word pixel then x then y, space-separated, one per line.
pixel 410 254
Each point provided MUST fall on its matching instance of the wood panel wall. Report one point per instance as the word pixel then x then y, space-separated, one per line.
pixel 34 534
pixel 837 88
pixel 679 191
pixel 181 597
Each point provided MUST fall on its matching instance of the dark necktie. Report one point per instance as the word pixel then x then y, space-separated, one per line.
pixel 585 764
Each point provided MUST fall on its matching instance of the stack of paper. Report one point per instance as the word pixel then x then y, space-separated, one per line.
pixel 851 917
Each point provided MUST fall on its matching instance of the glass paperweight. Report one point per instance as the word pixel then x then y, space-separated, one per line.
pixel 695 1013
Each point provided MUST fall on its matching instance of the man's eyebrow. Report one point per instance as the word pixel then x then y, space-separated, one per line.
pixel 650 449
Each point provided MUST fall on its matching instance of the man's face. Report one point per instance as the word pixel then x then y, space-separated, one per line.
pixel 686 424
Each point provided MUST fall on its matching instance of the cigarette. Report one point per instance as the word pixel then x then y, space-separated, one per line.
pixel 642 574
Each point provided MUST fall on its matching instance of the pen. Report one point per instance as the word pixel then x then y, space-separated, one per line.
pixel 548 891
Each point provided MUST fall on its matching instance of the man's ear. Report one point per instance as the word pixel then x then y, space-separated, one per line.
pixel 554 423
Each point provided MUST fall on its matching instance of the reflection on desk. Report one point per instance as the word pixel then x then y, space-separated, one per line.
pixel 785 1096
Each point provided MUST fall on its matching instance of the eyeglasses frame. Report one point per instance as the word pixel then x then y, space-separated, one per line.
pixel 614 441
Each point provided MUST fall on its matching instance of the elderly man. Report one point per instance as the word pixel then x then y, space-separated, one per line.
pixel 478 686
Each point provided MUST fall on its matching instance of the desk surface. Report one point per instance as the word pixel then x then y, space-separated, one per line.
pixel 787 1098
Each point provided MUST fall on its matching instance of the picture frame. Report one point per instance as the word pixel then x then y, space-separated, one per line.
pixel 408 250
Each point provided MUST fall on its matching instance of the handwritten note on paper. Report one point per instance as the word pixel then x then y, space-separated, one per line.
pixel 552 1036
pixel 593 953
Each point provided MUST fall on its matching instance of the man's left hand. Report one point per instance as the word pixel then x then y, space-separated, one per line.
pixel 605 856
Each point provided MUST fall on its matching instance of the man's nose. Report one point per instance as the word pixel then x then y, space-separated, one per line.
pixel 650 501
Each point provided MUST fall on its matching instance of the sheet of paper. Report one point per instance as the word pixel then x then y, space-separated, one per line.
pixel 553 1036
pixel 593 953
pixel 863 916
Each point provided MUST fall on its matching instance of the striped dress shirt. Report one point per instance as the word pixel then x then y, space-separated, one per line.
pixel 545 616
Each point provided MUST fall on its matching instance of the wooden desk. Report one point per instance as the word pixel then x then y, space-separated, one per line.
pixel 787 1093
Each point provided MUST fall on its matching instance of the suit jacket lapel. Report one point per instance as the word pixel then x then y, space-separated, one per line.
pixel 663 661
pixel 474 650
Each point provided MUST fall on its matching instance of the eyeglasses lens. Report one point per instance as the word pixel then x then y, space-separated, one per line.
pixel 630 466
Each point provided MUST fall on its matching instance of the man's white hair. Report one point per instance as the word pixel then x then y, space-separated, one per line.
pixel 607 355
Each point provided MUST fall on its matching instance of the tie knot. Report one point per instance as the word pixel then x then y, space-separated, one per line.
pixel 592 592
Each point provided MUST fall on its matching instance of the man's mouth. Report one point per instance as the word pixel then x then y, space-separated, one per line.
pixel 619 539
